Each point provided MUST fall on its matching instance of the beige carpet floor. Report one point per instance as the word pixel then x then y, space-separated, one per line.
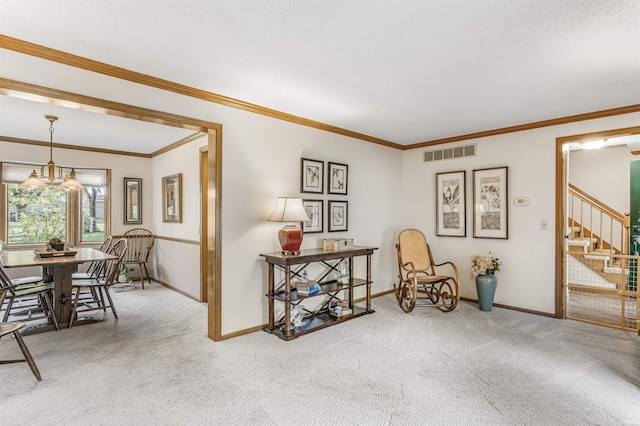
pixel 156 366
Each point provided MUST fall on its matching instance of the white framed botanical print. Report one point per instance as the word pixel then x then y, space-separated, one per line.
pixel 490 207
pixel 451 220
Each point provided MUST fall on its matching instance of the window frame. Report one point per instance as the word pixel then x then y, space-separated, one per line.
pixel 73 217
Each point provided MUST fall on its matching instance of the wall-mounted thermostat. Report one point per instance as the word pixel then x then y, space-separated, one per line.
pixel 521 201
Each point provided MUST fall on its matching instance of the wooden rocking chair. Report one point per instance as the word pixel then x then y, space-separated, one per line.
pixel 439 284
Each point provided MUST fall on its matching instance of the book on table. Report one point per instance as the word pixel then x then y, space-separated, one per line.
pixel 338 312
pixel 304 285
pixel 308 290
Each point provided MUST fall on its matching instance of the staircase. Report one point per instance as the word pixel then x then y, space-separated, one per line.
pixel 595 227
pixel 601 275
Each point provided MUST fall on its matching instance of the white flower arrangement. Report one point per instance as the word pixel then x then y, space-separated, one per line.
pixel 484 265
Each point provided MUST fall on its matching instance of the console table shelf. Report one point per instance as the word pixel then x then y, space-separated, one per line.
pixel 328 288
pixel 293 266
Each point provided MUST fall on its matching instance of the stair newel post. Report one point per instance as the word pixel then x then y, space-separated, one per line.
pixel 626 224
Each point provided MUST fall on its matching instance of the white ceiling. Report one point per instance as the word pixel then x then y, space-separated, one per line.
pixel 25 119
pixel 403 71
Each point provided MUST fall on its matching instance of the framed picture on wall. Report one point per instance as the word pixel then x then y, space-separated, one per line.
pixel 311 176
pixel 314 209
pixel 451 220
pixel 172 198
pixel 338 216
pixel 132 201
pixel 490 215
pixel 337 178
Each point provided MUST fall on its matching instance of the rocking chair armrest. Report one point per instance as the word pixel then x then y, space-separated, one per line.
pixel 453 266
pixel 410 264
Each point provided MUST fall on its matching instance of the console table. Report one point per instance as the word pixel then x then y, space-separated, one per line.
pixel 328 262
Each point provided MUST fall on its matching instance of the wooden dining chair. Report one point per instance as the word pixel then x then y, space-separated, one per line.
pixel 13 328
pixel 95 270
pixel 139 245
pixel 101 284
pixel 32 296
pixel 96 267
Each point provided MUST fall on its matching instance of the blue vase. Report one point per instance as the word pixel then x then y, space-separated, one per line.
pixel 486 286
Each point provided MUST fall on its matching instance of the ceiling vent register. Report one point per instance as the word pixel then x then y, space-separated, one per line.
pixel 450 153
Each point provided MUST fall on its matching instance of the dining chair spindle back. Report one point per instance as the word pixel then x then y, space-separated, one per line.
pixel 101 285
pixel 139 246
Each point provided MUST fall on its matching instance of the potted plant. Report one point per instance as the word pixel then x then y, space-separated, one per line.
pixel 56 243
pixel 124 274
pixel 483 269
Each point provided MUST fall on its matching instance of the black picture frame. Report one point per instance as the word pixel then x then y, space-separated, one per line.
pixel 311 176
pixel 451 216
pixel 337 178
pixel 490 203
pixel 338 216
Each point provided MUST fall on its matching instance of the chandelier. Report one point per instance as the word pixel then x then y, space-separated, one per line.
pixel 51 174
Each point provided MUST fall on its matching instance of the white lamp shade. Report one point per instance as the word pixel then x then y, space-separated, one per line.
pixel 70 183
pixel 33 182
pixel 289 209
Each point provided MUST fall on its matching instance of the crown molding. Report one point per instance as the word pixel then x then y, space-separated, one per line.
pixel 72 147
pixel 61 57
pixel 177 144
pixel 530 126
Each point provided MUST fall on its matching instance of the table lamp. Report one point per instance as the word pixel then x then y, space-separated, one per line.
pixel 290 210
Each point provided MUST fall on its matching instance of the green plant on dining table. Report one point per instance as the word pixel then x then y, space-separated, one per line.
pixel 55 243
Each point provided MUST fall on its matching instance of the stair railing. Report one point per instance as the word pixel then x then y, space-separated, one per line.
pixel 608 228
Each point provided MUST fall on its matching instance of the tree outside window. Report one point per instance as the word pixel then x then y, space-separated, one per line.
pixel 92 213
pixel 35 216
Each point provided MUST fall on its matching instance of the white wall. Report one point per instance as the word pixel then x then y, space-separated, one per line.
pixel 178 263
pixel 604 174
pixel 261 161
pixel 527 276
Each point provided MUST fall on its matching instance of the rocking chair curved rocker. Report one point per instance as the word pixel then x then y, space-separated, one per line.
pixel 438 284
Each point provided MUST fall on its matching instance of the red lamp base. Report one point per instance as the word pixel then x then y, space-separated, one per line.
pixel 290 239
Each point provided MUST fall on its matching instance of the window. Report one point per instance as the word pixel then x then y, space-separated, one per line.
pixel 34 216
pixel 92 214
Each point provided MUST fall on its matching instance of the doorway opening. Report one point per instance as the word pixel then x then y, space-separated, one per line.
pixel 42 94
pixel 596 272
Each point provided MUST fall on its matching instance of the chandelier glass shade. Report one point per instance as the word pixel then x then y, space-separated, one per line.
pixel 51 174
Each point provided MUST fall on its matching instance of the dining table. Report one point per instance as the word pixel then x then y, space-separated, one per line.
pixel 57 268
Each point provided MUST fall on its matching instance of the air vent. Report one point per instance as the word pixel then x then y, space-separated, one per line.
pixel 450 153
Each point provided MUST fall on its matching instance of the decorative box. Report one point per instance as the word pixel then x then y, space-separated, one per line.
pixel 337 244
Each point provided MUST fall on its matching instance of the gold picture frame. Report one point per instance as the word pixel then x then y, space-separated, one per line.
pixel 172 198
pixel 132 201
